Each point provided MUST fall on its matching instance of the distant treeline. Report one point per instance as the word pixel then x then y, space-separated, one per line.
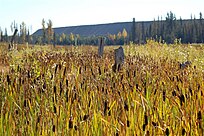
pixel 166 30
pixel 169 30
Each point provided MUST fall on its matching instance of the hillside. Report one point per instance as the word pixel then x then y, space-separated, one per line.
pixel 187 31
pixel 90 30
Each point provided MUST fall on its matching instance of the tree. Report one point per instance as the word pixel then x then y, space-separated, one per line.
pixel 49 31
pixel 23 32
pixel 63 38
pixel 44 31
pixel 124 36
pixel 14 26
pixel 133 31
pixel 170 27
pixel 71 38
pixel 201 33
pixel 124 33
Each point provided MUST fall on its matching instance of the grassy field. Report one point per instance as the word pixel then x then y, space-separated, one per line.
pixel 71 91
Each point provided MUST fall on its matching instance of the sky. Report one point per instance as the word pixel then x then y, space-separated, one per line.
pixel 85 12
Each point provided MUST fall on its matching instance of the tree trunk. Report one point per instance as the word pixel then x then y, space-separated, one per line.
pixel 11 44
pixel 119 59
pixel 101 47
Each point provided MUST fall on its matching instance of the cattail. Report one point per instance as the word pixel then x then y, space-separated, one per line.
pixel 105 107
pixel 56 68
pixel 83 84
pixel 177 88
pixel 146 119
pixel 154 124
pixel 92 72
pixel 99 70
pixel 128 123
pixel 44 86
pixel 183 132
pixel 55 109
pixel 60 66
pixel 53 128
pixel 145 90
pixel 174 93
pixel 167 132
pixel 199 116
pixel 147 134
pixel 85 117
pixel 128 73
pixel 198 87
pixel 182 99
pixel 137 86
pixel 123 87
pixel 70 122
pixel 28 74
pixel 66 96
pixel 16 112
pixel 8 80
pixel 33 81
pixel 79 70
pixel 67 82
pixel 119 93
pixel 38 119
pixel 190 90
pixel 75 127
pixel 89 103
pixel 51 77
pixel 143 127
pixel 75 96
pixel 173 79
pixel 134 73
pixel 164 96
pixel 61 88
pixel 126 106
pixel 55 90
pixel 122 78
pixel 102 89
pixel 18 69
pixel 24 103
pixel 65 71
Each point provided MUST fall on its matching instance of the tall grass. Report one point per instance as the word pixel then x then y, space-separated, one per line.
pixel 72 91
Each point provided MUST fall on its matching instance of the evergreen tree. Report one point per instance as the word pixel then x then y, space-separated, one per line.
pixel 133 31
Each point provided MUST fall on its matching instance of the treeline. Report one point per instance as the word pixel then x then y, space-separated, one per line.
pixel 166 30
pixel 22 36
pixel 169 30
